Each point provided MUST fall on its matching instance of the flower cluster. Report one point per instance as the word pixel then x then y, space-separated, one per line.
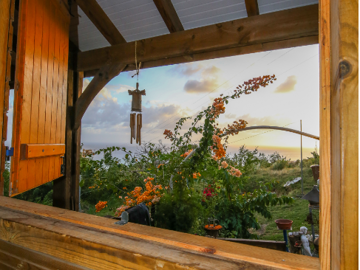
pixel 234 128
pixel 224 164
pixel 254 84
pixel 100 206
pixel 186 153
pixel 150 196
pixel 209 192
pixel 168 134
pixel 218 108
pixel 196 175
pixel 213 227
pixel 217 148
pixel 235 172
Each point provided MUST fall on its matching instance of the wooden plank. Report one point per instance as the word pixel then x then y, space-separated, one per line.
pixel 48 163
pixel 133 246
pixel 102 22
pixel 41 150
pixel 105 74
pixel 344 133
pixel 55 91
pixel 248 32
pixel 5 17
pixel 42 167
pixel 276 245
pixel 169 15
pixel 325 169
pixel 22 99
pixel 220 53
pixel 252 7
pixel 34 174
pixel 18 257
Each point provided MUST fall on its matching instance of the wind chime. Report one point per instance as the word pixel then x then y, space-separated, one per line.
pixel 136 119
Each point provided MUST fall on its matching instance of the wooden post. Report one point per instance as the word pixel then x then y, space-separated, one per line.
pixel 6 37
pixel 66 188
pixel 339 134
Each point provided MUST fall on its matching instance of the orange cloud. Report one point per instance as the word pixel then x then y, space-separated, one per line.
pixel 287 86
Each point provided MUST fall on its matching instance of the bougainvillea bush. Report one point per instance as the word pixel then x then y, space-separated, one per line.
pixel 187 183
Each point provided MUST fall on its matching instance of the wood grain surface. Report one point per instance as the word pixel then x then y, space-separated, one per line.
pixel 5 62
pixel 40 94
pixel 97 243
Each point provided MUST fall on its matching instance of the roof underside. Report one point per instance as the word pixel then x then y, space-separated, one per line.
pixel 140 19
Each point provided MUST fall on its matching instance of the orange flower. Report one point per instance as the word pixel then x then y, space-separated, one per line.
pixel 224 164
pixel 100 205
pixel 212 227
pixel 160 166
pixel 186 153
pixel 124 188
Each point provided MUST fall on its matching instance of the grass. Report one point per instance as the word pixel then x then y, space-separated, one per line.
pixel 297 211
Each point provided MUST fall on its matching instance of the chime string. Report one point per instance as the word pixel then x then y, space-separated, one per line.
pixel 137 67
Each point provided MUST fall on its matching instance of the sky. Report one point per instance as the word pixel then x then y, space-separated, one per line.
pixel 183 90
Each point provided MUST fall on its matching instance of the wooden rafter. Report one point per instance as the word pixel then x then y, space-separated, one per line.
pixel 102 22
pixel 246 35
pixel 252 7
pixel 104 75
pixel 169 15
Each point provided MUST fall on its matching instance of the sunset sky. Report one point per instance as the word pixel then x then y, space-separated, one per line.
pixel 182 90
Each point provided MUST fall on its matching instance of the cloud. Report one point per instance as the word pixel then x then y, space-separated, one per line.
pixel 119 88
pixel 202 86
pixel 207 83
pixel 211 71
pixel 186 70
pixel 287 86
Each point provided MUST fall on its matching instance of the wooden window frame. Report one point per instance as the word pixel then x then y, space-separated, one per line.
pixel 91 241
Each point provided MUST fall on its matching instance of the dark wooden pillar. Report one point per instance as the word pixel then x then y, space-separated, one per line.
pixel 66 188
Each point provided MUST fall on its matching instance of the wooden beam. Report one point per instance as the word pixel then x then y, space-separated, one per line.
pixel 102 22
pixel 221 53
pixel 169 15
pixel 13 256
pixel 252 7
pixel 97 243
pixel 245 35
pixel 104 75
pixel 339 89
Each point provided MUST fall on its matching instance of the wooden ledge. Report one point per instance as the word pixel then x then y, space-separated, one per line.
pixel 97 243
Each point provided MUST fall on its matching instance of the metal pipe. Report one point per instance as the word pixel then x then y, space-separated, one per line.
pixel 277 128
pixel 286 240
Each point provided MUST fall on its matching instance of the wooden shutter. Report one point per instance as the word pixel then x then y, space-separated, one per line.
pixel 40 94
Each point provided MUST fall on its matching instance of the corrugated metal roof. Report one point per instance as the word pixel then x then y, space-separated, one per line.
pixel 140 19
pixel 198 13
pixel 268 6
